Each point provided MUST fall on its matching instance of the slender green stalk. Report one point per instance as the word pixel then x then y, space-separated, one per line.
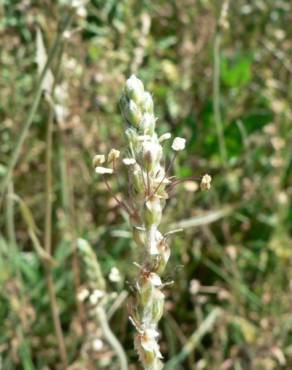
pixel 24 348
pixel 111 338
pixel 194 340
pixel 67 188
pixel 221 26
pixel 13 252
pixel 48 220
pixel 216 99
pixel 36 100
pixel 97 283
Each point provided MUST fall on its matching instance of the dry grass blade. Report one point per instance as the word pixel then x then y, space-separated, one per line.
pixel 203 219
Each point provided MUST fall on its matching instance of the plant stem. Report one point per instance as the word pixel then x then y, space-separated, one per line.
pixel 195 338
pixel 111 338
pixel 216 99
pixel 36 100
pixel 13 252
pixel 24 348
pixel 48 242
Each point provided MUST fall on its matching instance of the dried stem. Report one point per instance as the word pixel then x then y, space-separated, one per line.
pixel 67 181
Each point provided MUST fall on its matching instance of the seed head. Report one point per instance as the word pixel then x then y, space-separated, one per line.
pixel 98 159
pixel 113 155
pixel 206 182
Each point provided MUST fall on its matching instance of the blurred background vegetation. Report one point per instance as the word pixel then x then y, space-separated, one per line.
pixel 221 78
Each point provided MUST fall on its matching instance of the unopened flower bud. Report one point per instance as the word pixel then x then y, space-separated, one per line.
pixel 133 113
pixel 134 89
pixel 152 211
pixel 157 305
pixel 163 257
pixel 146 290
pixel 151 154
pixel 148 124
pixel 147 286
pixel 132 137
pixel 137 176
pixel 147 103
pixel 139 236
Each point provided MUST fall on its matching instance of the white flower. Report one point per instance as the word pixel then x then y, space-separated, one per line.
pixel 151 333
pixel 129 161
pixel 113 155
pixel 95 296
pixel 194 286
pixel 114 275
pixel 82 294
pixel 79 5
pixel 98 159
pixel 62 112
pixel 103 170
pixel 164 137
pixel 155 279
pixel 206 182
pixel 178 144
pixel 97 344
pixel 149 343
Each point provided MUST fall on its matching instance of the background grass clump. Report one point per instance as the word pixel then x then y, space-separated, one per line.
pixel 226 88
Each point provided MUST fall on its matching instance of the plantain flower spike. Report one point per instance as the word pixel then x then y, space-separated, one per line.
pixel 147 181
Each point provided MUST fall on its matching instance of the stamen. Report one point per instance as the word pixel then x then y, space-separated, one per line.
pixel 166 173
pixel 120 202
